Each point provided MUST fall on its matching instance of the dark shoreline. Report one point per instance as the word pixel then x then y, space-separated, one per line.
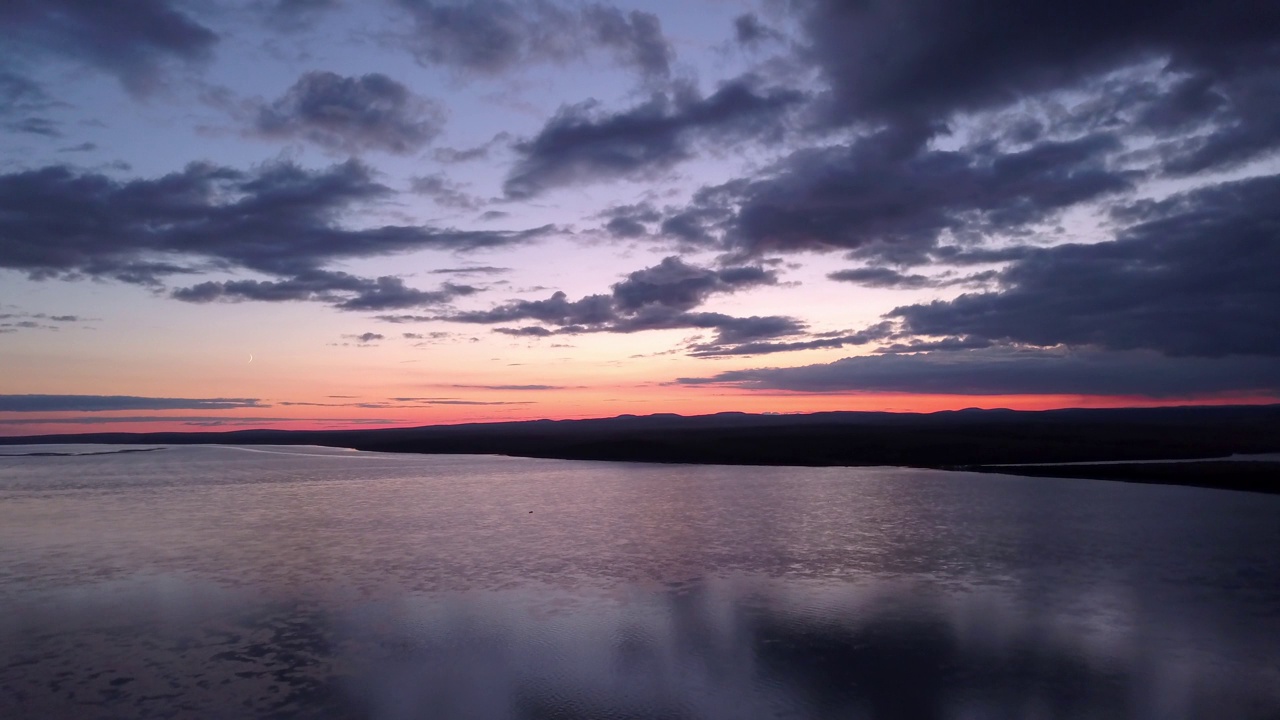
pixel 952 440
pixel 1243 475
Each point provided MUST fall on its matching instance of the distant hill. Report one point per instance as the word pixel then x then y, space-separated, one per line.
pixel 941 439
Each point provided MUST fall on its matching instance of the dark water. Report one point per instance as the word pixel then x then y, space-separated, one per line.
pixel 282 582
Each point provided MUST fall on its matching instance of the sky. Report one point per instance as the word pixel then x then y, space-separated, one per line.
pixel 329 214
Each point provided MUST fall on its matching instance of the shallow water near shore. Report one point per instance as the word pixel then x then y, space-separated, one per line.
pixel 273 582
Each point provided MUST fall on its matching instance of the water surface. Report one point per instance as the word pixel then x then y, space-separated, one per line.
pixel 312 582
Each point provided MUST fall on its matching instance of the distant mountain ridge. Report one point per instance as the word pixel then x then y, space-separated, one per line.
pixel 941 439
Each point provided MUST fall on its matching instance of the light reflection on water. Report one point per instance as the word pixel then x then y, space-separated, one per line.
pixel 287 582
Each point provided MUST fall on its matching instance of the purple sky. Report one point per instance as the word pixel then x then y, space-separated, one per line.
pixel 328 212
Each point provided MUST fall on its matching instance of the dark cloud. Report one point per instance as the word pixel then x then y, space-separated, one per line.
pixel 921 60
pixel 557 310
pixel 479 152
pixel 1195 274
pixel 445 192
pixel 474 270
pixel 886 199
pixel 20 94
pixel 581 144
pixel 201 420
pixel 367 338
pixel 819 341
pixel 1013 372
pixel 749 31
pixel 489 36
pixel 292 15
pixel 15 321
pixel 516 388
pixel 341 290
pixel 134 40
pixel 529 331
pixel 630 221
pixel 945 344
pixel 674 283
pixel 278 219
pixel 429 401
pixel 109 403
pixel 35 126
pixel 635 37
pixel 82 147
pixel 494 36
pixel 660 297
pixel 352 114
pixel 881 277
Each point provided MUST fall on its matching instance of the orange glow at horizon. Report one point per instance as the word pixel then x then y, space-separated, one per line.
pixel 567 404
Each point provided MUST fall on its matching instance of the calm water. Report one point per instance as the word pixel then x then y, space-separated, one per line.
pixel 225 582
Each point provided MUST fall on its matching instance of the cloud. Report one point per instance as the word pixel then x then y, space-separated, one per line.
pixel 445 192
pixel 109 403
pixel 451 156
pixel 1194 275
pixel 516 388
pixel 818 341
pixel 35 126
pixel 922 60
pixel 660 297
pixel 883 277
pixel 20 94
pixel 11 322
pixel 636 38
pixel 884 198
pixel 674 283
pixel 750 32
pixel 581 144
pixel 293 15
pixel 1004 371
pixel 200 420
pixel 491 37
pixel 352 114
pixel 630 221
pixel 341 290
pixel 135 43
pixel 278 219
pixel 366 338
pixel 472 270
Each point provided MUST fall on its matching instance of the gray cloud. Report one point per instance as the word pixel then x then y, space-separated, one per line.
pixel 473 270
pixel 516 388
pixel 883 277
pixel 749 31
pixel 660 297
pixel 674 283
pixel 278 219
pixel 109 403
pixel 1194 275
pixel 35 126
pixel 635 37
pixel 818 341
pixel 445 192
pixel 341 290
pixel 352 114
pixel 293 15
pixel 134 43
pixel 581 144
pixel 494 36
pixel 883 197
pixel 921 60
pixel 1012 372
